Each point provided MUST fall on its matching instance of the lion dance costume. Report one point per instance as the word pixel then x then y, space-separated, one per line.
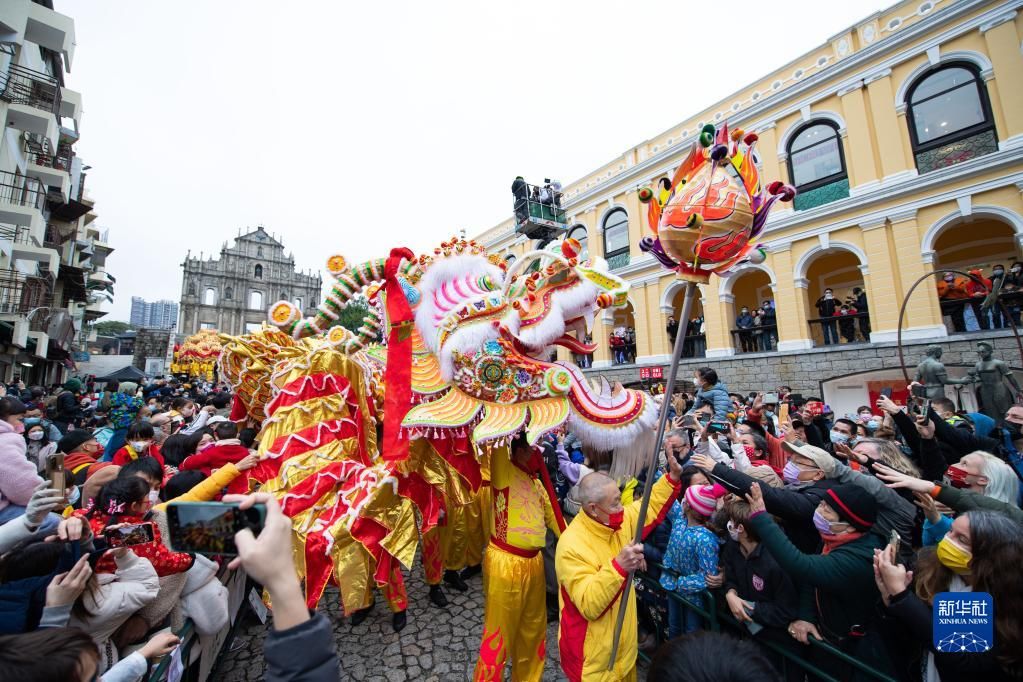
pixel 464 370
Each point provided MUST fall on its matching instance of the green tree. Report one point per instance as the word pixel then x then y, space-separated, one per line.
pixel 111 327
pixel 353 314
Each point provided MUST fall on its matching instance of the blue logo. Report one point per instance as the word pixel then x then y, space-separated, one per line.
pixel 964 622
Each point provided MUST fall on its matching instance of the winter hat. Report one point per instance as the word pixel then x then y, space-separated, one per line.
pixel 853 504
pixel 73 385
pixel 73 440
pixel 702 499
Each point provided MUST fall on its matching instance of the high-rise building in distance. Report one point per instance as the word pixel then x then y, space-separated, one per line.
pixel 153 314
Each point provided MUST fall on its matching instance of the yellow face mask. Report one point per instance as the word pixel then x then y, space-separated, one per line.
pixel 954 557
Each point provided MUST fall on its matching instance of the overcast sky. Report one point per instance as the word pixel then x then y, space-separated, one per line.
pixel 353 127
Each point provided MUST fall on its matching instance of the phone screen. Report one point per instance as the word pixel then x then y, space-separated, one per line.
pixel 770 398
pixel 887 392
pixel 129 536
pixel 209 527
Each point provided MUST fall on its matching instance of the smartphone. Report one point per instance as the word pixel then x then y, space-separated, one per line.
pixel 895 542
pixel 718 427
pixel 770 399
pixel 129 536
pixel 919 391
pixel 783 412
pixel 796 399
pixel 55 471
pixel 887 392
pixel 209 527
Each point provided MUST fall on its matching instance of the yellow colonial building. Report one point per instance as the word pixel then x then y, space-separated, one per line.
pixel 903 135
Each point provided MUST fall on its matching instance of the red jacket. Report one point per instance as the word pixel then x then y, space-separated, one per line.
pixel 127 454
pixel 228 451
pixel 163 559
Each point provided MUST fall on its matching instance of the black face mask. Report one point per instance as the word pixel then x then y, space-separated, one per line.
pixel 1014 431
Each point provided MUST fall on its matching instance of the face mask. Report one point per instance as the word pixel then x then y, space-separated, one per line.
pixel 838 438
pixel 957 477
pixel 733 532
pixel 829 296
pixel 790 473
pixel 750 452
pixel 950 278
pixel 999 273
pixel 154 496
pixel 854 440
pixel 769 413
pixel 822 525
pixel 954 557
pixel 30 421
pixel 615 519
pixel 873 424
pixel 75 495
pixel 139 445
pixel 35 435
pixel 745 312
pixel 19 427
pixel 697 382
pixel 1015 268
pixel 186 412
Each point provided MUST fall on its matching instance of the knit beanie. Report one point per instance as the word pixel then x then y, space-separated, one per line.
pixel 853 504
pixel 73 385
pixel 702 499
pixel 73 440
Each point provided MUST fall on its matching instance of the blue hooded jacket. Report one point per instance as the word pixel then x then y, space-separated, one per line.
pixel 717 397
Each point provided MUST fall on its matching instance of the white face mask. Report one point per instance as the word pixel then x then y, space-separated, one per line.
pixel 154 496
pixel 35 435
pixel 186 412
pixel 733 532
pixel 829 295
pixel 139 445
pixel 74 496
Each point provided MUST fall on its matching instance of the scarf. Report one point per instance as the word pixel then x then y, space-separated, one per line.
pixel 834 541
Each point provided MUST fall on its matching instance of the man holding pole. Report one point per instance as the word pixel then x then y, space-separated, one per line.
pixel 595 558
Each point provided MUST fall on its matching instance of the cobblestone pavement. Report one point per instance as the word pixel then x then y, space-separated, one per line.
pixel 437 645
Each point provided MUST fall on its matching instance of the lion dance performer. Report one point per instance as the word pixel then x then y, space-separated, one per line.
pixel 463 375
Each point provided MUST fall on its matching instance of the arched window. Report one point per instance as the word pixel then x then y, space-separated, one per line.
pixel 579 232
pixel 616 238
pixel 209 296
pixel 227 294
pixel 298 302
pixel 255 300
pixel 509 259
pixel 259 272
pixel 817 165
pixel 949 117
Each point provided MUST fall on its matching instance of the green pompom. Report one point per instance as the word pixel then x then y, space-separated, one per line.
pixel 646 194
pixel 709 129
pixel 706 139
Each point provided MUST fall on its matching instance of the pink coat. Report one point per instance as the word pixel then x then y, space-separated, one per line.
pixel 18 477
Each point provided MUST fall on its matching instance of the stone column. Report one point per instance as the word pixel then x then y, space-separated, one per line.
pixel 859 156
pixel 1003 47
pixel 923 313
pixel 789 302
pixel 886 125
pixel 717 321
pixel 884 289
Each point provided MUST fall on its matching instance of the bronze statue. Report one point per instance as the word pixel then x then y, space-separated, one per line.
pixel 989 372
pixel 931 373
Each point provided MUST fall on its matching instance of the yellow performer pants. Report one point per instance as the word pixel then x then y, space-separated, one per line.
pixel 477 527
pixel 514 617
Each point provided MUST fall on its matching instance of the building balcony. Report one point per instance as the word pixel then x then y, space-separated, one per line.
pixel 50 167
pixel 36 23
pixel 33 101
pixel 21 202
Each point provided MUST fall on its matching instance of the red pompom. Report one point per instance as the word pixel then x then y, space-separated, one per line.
pixel 775 187
pixel 751 138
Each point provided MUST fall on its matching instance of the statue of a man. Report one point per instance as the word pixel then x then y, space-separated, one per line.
pixel 989 372
pixel 931 373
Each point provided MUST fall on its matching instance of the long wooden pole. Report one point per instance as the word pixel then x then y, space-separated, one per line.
pixel 669 391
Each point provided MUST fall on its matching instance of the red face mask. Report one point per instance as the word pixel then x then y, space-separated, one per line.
pixel 750 452
pixel 615 519
pixel 957 477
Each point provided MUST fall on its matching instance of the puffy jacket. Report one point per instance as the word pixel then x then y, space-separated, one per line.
pixel 127 454
pixel 18 477
pixel 717 397
pixel 591 582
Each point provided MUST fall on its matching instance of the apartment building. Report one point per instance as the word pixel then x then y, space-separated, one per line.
pixel 53 276
pixel 161 314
